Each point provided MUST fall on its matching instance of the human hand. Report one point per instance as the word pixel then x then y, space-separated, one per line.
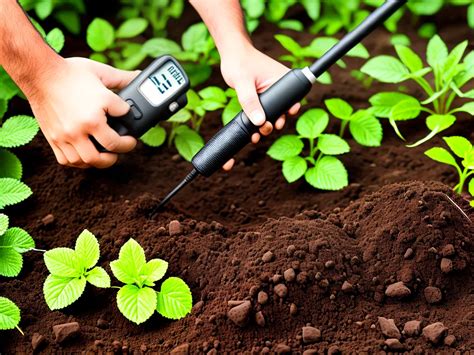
pixel 71 103
pixel 250 72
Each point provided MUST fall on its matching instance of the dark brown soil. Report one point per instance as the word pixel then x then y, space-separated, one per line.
pixel 359 235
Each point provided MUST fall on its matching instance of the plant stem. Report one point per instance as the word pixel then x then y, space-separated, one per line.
pixel 19 329
pixel 38 250
pixel 343 128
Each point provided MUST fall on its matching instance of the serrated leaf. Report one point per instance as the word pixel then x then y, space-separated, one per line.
pixel 459 145
pixel 409 58
pixel 406 110
pixel 98 277
pixel 17 239
pixel 131 28
pixel 87 249
pixel 331 144
pixel 55 38
pixel 18 131
pixel 131 259
pixel 9 314
pixel 136 304
pixel 188 142
pixel 436 52
pixel 63 262
pixel 10 165
pixel 100 35
pixel 312 123
pixel 294 168
pixel 366 129
pixel 386 69
pixel 154 270
pixel 285 147
pixel 11 262
pixel 155 137
pixel 60 292
pixel 441 155
pixel 339 108
pixel 4 222
pixel 328 174
pixel 12 191
pixel 174 299
pixel 383 102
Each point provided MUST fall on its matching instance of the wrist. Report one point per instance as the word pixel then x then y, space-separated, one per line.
pixel 235 49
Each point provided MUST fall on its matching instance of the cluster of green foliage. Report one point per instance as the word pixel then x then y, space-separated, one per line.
pixel 71 270
pixel 450 74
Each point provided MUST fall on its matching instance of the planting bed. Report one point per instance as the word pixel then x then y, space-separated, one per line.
pixel 283 259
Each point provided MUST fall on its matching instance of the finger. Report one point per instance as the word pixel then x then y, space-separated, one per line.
pixel 115 106
pixel 229 165
pixel 280 123
pixel 112 141
pixel 295 109
pixel 256 138
pixel 114 78
pixel 92 157
pixel 248 98
pixel 73 158
pixel 266 129
pixel 60 157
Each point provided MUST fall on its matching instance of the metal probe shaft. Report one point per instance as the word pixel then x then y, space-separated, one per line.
pixel 190 177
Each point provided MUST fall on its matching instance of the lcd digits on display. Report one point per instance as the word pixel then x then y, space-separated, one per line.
pixel 162 84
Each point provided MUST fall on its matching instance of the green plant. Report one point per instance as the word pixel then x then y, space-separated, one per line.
pixel 9 315
pixel 463 149
pixel 300 57
pixel 450 72
pixel 71 269
pixel 319 165
pixel 137 300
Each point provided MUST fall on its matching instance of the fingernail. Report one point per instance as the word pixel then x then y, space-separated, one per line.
pixel 257 117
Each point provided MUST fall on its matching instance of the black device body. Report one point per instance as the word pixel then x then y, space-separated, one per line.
pixel 144 113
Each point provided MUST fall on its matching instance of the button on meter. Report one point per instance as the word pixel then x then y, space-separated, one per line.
pixel 174 106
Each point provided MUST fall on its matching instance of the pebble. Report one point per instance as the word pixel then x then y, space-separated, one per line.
pixel 446 265
pixel 37 341
pixel 433 294
pixel 282 349
pixel 293 309
pixel 329 264
pixel 268 257
pixel 197 308
pixel 408 253
pixel 262 297
pixel 102 323
pixel 448 250
pixel 289 275
pixel 176 157
pixel 334 350
pixel 412 328
pixel 347 287
pixel 397 290
pixel 240 314
pixel 311 335
pixel 310 352
pixel 277 278
pixel 182 349
pixel 290 250
pixel 48 219
pixel 65 331
pixel 232 303
pixel 260 319
pixel 388 328
pixel 394 344
pixel 175 228
pixel 450 340
pixel 281 290
pixel 435 332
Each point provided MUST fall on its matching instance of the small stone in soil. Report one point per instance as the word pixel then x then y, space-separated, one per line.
pixel 334 350
pixel 388 328
pixel 281 290
pixel 347 287
pixel 182 349
pixel 65 331
pixel 435 332
pixel 446 265
pixel 397 290
pixel 282 349
pixel 268 257
pixel 412 328
pixel 262 297
pixel 329 264
pixel 48 219
pixel 233 303
pixel 175 228
pixel 311 335
pixel 260 319
pixel 293 309
pixel 394 344
pixel 310 352
pixel 197 308
pixel 432 294
pixel 102 323
pixel 448 250
pixel 240 314
pixel 117 345
pixel 290 250
pixel 408 253
pixel 450 340
pixel 289 275
pixel 37 341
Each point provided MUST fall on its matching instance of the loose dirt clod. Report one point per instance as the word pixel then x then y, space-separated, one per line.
pixel 408 253
pixel 311 335
pixel 260 319
pixel 63 332
pixel 281 290
pixel 433 294
pixel 397 290
pixel 48 219
pixel 435 332
pixel 282 349
pixel 175 228
pixel 412 328
pixel 262 297
pixel 388 328
pixel 394 344
pixel 182 349
pixel 450 340
pixel 37 341
pixel 268 257
pixel 240 314
pixel 289 275
pixel 347 287
pixel 293 309
pixel 448 250
pixel 446 265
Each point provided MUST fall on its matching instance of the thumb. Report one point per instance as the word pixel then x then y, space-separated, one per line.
pixel 248 98
pixel 115 106
pixel 114 78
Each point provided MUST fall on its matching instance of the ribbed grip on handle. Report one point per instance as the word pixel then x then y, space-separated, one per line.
pixel 276 101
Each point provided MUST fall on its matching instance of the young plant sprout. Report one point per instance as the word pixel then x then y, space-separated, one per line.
pixel 463 149
pixel 137 300
pixel 451 73
pixel 10 315
pixel 319 166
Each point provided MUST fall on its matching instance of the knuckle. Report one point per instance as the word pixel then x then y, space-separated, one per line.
pixel 111 145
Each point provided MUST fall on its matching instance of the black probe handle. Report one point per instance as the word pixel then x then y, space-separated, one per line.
pixel 276 101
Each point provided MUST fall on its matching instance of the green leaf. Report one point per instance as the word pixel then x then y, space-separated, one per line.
pixel 441 155
pixel 339 108
pixel 99 57
pixel 17 239
pixel 328 174
pixel 174 299
pixel 11 262
pixel 100 35
pixel 132 28
pixel 366 129
pixel 3 108
pixel 293 25
pixel 427 30
pixel 55 38
pixel 63 262
pixel 312 123
pixel 10 165
pixel 459 145
pixel 383 102
pixel 188 142
pixel 156 47
pixel 9 314
pixel 18 131
pixel 426 7
pixel 213 93
pixel 195 38
pixel 386 69
pixel 182 116
pixel 409 58
pixel 136 304
pixel 285 147
pixel 87 249
pixel 155 136
pixel 197 73
pixel 131 259
pixel 313 8
pixel 436 124
pixel 470 16
pixel 12 191
pixel 4 222
pixel 454 58
pixel 231 110
pixel 319 46
pixel 154 270
pixel 98 277
pixel 471 188
pixel 289 44
pixel 400 39
pixel 437 52
pixel 406 110
pixel 70 20
pixel 60 292
pixel 469 108
pixel 331 144
pixel 294 168
pixel 359 51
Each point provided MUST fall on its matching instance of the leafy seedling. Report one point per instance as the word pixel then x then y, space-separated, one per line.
pixel 13 243
pixel 300 57
pixel 71 269
pixel 137 300
pixel 9 315
pixel 318 164
pixel 463 149
pixel 450 72
pixel 363 125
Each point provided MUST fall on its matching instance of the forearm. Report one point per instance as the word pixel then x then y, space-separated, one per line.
pixel 23 53
pixel 225 21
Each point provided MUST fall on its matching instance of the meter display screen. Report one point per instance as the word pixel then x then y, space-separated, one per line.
pixel 163 84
